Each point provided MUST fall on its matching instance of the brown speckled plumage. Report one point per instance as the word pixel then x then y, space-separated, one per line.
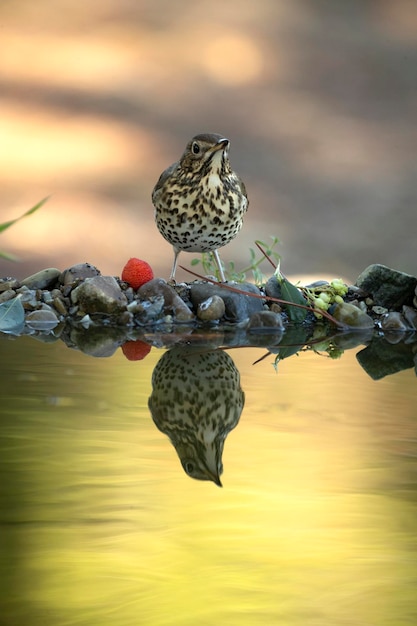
pixel 197 400
pixel 199 201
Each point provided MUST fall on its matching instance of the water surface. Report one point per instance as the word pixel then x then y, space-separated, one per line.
pixel 316 523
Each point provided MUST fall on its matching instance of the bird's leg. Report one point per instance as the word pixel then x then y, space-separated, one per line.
pixel 219 265
pixel 174 265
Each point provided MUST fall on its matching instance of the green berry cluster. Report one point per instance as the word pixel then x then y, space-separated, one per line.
pixel 323 296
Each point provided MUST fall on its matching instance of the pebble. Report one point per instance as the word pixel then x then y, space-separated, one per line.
pixel 394 321
pixel 410 315
pixel 8 283
pixel 273 288
pixel 238 307
pixel 211 310
pixel 7 295
pixel 45 279
pixel 44 319
pixel 379 310
pixel 265 321
pixel 172 302
pixel 351 316
pixel 99 294
pixel 77 273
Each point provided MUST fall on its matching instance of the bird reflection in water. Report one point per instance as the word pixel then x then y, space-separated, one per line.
pixel 197 400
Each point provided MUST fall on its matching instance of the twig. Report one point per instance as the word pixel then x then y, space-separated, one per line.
pixel 265 297
pixel 266 255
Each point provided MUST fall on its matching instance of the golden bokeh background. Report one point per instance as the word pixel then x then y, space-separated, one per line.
pixel 318 99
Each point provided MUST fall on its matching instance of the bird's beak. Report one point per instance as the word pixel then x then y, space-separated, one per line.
pixel 222 144
pixel 215 478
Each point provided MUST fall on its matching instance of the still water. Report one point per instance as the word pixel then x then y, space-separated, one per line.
pixel 316 523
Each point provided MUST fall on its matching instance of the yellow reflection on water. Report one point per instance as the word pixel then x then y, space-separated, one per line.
pixel 315 524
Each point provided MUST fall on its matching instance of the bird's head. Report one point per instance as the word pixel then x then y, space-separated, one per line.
pixel 200 469
pixel 207 150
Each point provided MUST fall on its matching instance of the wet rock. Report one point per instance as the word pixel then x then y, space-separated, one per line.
pixel 265 321
pixel 351 316
pixel 77 273
pixel 410 315
pixel 60 307
pixel 125 319
pixel 147 311
pixel 388 288
pixel 99 294
pixel 7 295
pixel 44 319
pixel 379 310
pixel 158 287
pixel 28 298
pixel 45 279
pixel 357 292
pixel 238 307
pixel 8 283
pixel 273 288
pixel 211 310
pixel 394 321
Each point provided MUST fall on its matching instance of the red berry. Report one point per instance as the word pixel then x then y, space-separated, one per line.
pixel 135 350
pixel 137 273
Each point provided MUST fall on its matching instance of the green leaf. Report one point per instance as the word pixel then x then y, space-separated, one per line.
pixel 8 256
pixel 12 316
pixel 37 206
pixel 292 294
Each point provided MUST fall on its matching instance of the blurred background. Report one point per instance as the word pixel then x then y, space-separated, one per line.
pixel 318 99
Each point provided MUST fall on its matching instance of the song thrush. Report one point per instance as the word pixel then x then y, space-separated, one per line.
pixel 197 400
pixel 199 201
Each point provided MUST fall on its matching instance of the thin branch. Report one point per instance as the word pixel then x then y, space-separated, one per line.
pixel 266 255
pixel 265 297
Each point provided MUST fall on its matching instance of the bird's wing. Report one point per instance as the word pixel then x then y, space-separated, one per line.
pixel 243 190
pixel 163 178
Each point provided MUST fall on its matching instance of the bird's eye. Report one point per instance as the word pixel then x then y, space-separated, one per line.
pixel 195 148
pixel 189 467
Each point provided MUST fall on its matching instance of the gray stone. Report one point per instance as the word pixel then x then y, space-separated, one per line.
pixel 388 288
pixel 77 273
pixel 211 309
pixel 351 316
pixel 99 294
pixel 7 295
pixel 238 306
pixel 273 288
pixel 379 310
pixel 265 321
pixel 172 302
pixel 8 283
pixel 410 315
pixel 28 298
pixel 394 321
pixel 147 311
pixel 45 279
pixel 44 319
pixel 60 306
